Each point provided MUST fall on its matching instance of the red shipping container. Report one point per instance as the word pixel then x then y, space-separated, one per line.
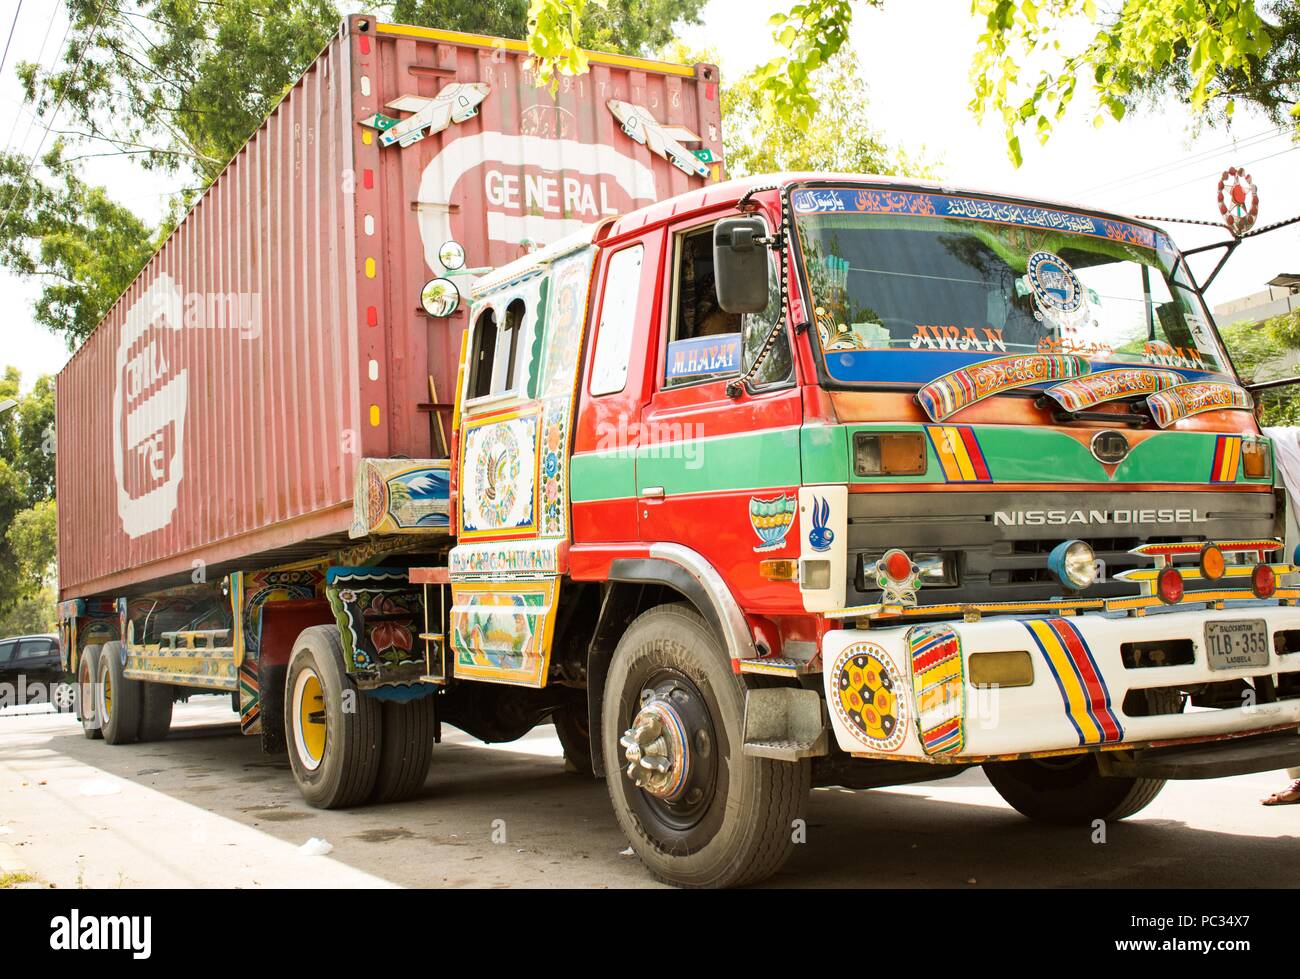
pixel 216 417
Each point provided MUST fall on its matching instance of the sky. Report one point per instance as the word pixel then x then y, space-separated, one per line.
pixel 915 57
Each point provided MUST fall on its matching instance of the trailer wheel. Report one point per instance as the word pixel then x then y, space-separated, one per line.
pixel 697 811
pixel 156 701
pixel 87 671
pixel 118 703
pixel 406 748
pixel 572 727
pixel 1071 790
pixel 332 730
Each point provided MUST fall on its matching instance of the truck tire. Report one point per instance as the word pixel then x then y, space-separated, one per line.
pixel 716 817
pixel 87 673
pixel 572 728
pixel 334 753
pixel 119 698
pixel 156 701
pixel 405 748
pixel 270 682
pixel 1071 790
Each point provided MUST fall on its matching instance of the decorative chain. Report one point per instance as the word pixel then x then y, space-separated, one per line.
pixel 777 243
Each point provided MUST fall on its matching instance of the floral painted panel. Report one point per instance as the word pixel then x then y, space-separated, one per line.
pixel 501 631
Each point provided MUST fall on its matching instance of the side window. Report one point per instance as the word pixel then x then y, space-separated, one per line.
pixel 34 649
pixel 703 341
pixel 482 355
pixel 706 343
pixel 617 317
pixel 510 341
pixel 779 364
pixel 6 651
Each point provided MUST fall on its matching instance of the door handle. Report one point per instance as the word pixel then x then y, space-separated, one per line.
pixel 652 493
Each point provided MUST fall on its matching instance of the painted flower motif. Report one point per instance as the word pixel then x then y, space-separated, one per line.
pixel 347 595
pixel 552 464
pixel 553 438
pixel 552 490
pixel 389 635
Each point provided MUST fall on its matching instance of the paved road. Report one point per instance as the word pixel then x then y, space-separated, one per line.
pixel 207 809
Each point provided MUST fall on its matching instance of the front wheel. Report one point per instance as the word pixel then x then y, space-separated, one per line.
pixel 1069 791
pixel 696 809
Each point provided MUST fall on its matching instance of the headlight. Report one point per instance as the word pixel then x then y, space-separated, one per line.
pixel 1074 564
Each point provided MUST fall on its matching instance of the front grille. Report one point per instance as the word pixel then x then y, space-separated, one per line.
pixel 1000 559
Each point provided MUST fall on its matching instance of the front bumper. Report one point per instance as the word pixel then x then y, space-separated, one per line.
pixel 905 692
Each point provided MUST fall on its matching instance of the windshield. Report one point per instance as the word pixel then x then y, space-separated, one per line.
pixel 908 286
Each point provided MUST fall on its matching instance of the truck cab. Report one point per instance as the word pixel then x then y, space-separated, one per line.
pixel 871 481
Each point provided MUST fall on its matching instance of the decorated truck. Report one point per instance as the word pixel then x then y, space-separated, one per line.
pixel 804 479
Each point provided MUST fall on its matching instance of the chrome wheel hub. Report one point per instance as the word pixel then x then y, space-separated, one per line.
pixel 657 749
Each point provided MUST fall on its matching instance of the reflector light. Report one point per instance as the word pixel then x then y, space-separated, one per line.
pixel 1169 585
pixel 897 565
pixel 1010 668
pixel 1212 563
pixel 889 454
pixel 1254 458
pixel 1263 582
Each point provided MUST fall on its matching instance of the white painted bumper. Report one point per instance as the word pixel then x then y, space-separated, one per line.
pixel 905 691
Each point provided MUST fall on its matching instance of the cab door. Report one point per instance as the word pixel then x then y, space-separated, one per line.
pixel 714 472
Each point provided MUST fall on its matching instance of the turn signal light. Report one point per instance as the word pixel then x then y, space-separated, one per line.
pixel 1212 563
pixel 1169 585
pixel 897 565
pixel 889 454
pixel 1254 458
pixel 778 570
pixel 1012 668
pixel 1263 582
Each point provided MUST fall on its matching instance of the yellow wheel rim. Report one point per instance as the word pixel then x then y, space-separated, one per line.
pixel 309 727
pixel 107 701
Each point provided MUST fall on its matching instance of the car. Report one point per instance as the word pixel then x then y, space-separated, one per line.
pixel 37 661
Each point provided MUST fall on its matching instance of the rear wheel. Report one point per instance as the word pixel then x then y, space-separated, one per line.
pixel 118 703
pixel 87 695
pixel 156 700
pixel 697 810
pixel 334 746
pixel 406 748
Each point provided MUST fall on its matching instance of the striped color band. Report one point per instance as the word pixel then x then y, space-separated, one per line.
pixel 1083 690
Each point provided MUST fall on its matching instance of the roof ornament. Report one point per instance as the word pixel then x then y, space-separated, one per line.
pixel 1238 201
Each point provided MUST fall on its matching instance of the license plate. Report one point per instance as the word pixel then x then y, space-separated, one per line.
pixel 1236 644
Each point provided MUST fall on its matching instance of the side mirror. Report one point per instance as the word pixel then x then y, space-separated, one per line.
pixel 740 265
pixel 452 255
pixel 440 297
